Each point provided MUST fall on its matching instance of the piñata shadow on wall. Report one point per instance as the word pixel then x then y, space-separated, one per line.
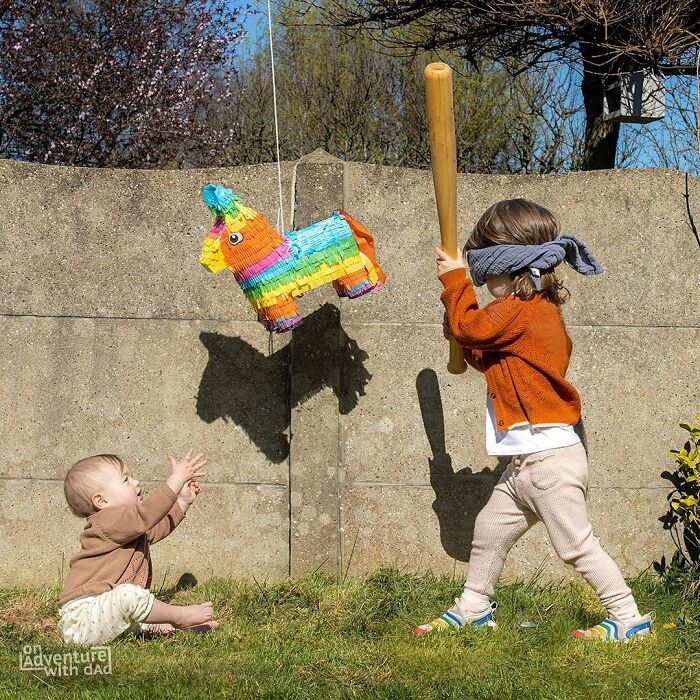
pixel 242 385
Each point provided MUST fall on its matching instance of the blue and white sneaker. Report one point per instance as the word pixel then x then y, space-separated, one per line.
pixel 612 629
pixel 457 617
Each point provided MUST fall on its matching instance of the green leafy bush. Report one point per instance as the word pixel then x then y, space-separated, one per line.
pixel 683 516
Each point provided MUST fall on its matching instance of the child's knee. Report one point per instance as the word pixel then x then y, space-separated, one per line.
pixel 484 522
pixel 128 589
pixel 571 552
pixel 134 601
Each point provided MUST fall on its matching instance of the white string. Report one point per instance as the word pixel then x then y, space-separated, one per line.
pixel 697 95
pixel 280 211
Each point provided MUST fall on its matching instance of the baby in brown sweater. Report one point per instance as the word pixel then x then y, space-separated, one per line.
pixel 107 588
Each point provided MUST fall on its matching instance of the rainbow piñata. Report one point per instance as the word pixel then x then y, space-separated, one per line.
pixel 273 268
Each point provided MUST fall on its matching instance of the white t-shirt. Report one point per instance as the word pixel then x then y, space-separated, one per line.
pixel 525 439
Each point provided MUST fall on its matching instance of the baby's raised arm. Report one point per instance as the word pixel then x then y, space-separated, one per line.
pixel 122 524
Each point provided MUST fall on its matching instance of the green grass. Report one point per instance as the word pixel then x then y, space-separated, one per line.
pixel 314 637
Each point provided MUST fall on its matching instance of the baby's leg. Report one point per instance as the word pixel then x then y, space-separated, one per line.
pixel 498 526
pixel 182 616
pixel 102 618
pixel 556 490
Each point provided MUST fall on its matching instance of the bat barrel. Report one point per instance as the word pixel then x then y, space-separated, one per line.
pixel 443 150
pixel 443 161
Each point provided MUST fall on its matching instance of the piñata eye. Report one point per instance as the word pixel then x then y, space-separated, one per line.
pixel 235 238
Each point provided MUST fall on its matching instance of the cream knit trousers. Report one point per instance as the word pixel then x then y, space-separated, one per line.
pixel 100 618
pixel 551 486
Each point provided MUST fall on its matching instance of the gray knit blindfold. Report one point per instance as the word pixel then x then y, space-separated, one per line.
pixel 502 258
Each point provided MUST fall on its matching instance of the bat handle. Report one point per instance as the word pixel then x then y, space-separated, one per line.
pixel 456 363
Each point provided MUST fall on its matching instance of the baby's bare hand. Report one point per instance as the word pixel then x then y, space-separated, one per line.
pixel 188 467
pixel 189 492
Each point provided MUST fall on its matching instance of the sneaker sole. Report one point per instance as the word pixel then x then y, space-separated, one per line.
pixel 623 640
pixel 489 623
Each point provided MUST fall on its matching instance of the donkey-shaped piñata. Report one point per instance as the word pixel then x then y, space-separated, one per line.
pixel 272 268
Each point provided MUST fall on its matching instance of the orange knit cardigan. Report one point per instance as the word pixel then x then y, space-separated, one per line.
pixel 521 347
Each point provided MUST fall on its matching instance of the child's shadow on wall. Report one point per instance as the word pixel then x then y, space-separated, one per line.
pixel 459 496
pixel 253 390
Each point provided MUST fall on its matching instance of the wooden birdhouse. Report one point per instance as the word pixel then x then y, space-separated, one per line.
pixel 636 97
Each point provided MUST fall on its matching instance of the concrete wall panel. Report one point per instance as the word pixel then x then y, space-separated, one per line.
pixel 635 222
pixel 348 431
pixel 437 525
pixel 143 389
pixel 120 243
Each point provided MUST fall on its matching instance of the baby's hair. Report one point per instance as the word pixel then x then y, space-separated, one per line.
pixel 520 222
pixel 82 482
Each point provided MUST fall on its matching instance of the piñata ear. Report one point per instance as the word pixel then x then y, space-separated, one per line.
pixel 216 197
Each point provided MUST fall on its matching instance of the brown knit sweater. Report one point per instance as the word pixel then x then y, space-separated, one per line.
pixel 114 544
pixel 521 347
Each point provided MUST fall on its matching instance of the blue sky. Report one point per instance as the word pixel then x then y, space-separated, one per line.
pixel 661 131
pixel 254 22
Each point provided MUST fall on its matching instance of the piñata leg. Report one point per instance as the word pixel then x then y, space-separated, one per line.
pixel 353 285
pixel 280 317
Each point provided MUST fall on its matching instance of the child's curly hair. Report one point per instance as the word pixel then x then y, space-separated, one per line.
pixel 520 222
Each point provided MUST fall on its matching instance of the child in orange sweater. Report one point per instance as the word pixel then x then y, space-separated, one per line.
pixel 521 346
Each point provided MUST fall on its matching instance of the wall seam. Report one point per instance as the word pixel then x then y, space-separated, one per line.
pixel 364 484
pixel 432 324
pixel 83 317
pixel 59 480
pixel 290 373
pixel 427 324
pixel 338 465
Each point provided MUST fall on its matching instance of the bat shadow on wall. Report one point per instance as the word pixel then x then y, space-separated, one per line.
pixel 459 496
pixel 255 391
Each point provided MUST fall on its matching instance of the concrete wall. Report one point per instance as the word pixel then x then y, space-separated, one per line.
pixel 346 436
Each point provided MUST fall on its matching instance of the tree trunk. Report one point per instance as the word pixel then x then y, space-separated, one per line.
pixel 601 136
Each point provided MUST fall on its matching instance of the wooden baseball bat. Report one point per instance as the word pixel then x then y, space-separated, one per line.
pixel 443 162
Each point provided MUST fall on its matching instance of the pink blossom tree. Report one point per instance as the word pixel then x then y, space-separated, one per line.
pixel 122 83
